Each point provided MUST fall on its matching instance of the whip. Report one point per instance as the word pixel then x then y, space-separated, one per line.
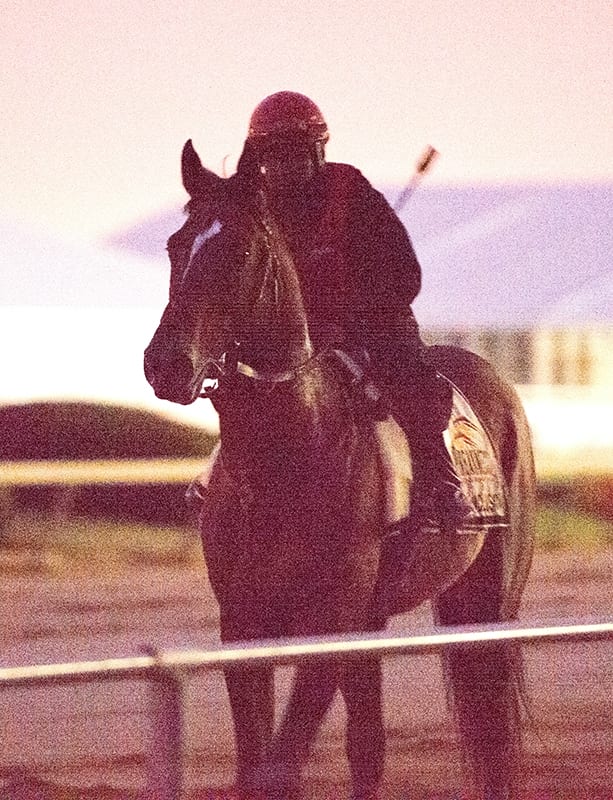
pixel 423 165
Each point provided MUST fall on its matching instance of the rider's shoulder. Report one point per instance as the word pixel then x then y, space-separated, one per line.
pixel 350 177
pixel 335 168
pixel 365 196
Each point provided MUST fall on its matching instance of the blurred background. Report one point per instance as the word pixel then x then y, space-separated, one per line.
pixel 513 227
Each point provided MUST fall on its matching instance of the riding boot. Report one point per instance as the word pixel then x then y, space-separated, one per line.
pixel 423 414
pixel 421 402
pixel 437 498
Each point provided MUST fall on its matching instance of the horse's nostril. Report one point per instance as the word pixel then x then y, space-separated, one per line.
pixel 181 371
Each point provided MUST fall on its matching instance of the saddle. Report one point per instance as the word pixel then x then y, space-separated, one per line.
pixel 474 459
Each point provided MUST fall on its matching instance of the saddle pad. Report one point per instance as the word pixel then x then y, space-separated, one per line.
pixel 473 457
pixel 476 464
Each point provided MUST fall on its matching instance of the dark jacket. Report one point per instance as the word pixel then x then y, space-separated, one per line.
pixel 357 265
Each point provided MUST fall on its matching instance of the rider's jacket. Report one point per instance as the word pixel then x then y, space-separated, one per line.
pixel 356 262
pixel 358 270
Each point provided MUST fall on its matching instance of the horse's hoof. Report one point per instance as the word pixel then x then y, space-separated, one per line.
pixel 273 781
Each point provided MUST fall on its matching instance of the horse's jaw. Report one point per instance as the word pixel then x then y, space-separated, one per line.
pixel 167 390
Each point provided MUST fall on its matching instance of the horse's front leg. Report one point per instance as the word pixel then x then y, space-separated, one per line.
pixel 312 693
pixel 251 695
pixel 361 688
pixel 314 686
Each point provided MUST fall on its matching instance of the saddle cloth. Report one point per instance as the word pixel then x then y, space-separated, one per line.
pixel 473 457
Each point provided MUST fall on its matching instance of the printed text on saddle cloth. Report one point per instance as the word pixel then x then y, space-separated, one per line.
pixel 475 461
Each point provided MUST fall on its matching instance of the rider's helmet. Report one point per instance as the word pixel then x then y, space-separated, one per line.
pixel 287 114
pixel 287 120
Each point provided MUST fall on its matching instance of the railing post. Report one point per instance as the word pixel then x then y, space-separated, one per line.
pixel 165 763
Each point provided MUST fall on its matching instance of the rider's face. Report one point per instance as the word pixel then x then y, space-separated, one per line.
pixel 287 167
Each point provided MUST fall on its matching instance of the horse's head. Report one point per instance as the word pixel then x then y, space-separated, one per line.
pixel 236 294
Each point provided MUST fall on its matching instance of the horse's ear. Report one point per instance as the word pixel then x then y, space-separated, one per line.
pixel 197 180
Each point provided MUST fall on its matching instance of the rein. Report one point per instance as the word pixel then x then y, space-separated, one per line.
pixel 359 381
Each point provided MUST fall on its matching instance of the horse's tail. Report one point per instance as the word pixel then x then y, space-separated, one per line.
pixel 487 682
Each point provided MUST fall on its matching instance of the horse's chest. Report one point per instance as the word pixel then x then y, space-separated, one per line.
pixel 293 524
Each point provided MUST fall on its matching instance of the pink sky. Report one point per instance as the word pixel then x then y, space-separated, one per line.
pixel 98 98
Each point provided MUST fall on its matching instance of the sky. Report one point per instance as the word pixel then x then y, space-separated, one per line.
pixel 97 98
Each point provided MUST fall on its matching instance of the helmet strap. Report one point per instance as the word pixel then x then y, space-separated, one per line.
pixel 319 149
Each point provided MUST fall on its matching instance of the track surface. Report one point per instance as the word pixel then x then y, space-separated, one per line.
pixel 99 734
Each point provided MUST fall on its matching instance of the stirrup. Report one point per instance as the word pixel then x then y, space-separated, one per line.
pixel 444 506
pixel 454 510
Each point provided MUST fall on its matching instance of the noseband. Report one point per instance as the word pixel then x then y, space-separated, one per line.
pixel 229 366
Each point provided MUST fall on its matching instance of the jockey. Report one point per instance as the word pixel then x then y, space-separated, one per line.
pixel 359 273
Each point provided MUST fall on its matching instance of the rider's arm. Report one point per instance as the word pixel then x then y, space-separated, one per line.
pixel 387 274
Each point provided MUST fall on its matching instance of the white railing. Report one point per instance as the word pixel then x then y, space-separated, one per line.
pixel 67 477
pixel 75 473
pixel 167 670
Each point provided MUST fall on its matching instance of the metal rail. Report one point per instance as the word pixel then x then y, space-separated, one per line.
pixel 14 474
pixel 75 473
pixel 167 672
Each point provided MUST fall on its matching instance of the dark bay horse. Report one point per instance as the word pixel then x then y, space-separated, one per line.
pixel 293 521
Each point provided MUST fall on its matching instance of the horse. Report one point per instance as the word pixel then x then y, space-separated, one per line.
pixel 293 521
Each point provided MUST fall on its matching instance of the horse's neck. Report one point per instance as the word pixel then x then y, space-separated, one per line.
pixel 285 428
pixel 297 419
pixel 279 319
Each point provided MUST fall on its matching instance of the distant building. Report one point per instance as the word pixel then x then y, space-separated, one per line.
pixel 547 356
pixel 521 274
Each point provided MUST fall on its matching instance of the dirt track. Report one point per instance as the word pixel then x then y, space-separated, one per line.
pixel 100 734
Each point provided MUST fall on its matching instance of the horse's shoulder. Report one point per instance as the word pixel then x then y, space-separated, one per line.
pixel 389 445
pixel 392 445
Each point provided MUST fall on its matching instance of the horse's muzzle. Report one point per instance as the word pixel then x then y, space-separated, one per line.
pixel 172 378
